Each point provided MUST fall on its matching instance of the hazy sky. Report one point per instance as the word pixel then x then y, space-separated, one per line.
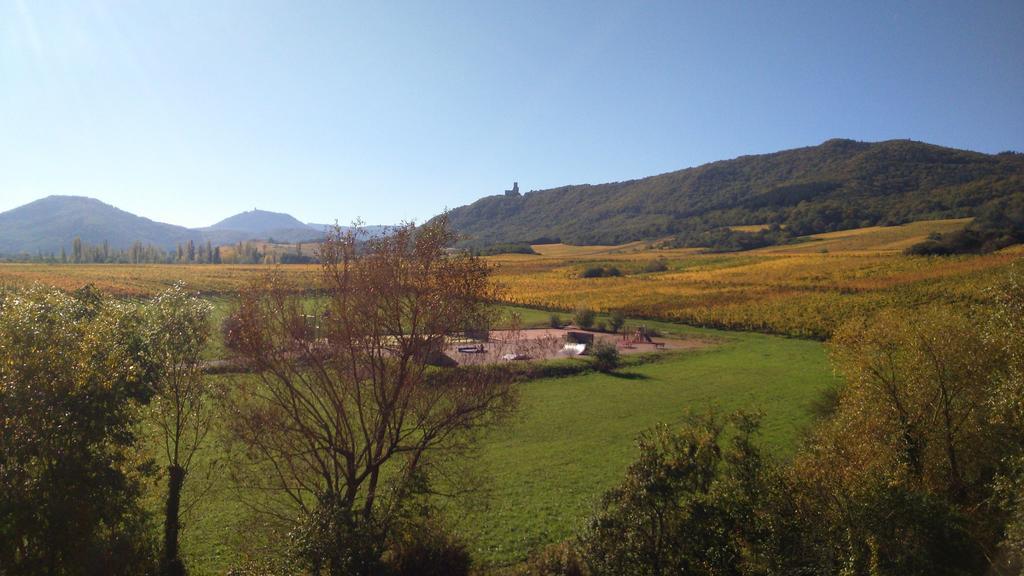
pixel 188 112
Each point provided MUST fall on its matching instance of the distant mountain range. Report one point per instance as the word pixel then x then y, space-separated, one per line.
pixel 52 223
pixel 839 184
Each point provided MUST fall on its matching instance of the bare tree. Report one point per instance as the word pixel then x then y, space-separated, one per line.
pixel 348 406
pixel 181 408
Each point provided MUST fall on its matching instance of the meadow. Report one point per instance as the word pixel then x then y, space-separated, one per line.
pixel 573 437
pixel 537 477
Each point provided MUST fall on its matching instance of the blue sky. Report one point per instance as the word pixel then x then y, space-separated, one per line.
pixel 188 112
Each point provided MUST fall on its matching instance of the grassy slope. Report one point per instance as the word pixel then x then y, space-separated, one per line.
pixel 870 239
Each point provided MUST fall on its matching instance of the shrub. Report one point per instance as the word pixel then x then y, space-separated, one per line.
pixel 616 320
pixel 562 559
pixel 606 356
pixel 230 330
pixel 430 551
pixel 600 326
pixel 600 272
pixel 685 506
pixel 659 265
pixel 555 321
pixel 584 318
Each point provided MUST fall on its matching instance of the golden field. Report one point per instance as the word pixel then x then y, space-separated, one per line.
pixel 148 279
pixel 804 289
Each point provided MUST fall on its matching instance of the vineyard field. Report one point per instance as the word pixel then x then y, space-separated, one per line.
pixel 805 289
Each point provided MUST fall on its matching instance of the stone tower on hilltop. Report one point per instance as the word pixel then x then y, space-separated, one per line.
pixel 514 191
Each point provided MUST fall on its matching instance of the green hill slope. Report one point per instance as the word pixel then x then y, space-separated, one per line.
pixel 837 185
pixel 50 223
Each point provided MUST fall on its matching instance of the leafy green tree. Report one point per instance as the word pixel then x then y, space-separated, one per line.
pixel 73 371
pixel 616 320
pixel 1006 331
pixel 584 318
pixel 178 328
pixel 606 356
pixel 685 505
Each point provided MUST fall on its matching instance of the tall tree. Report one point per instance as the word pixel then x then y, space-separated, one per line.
pixel 923 390
pixel 347 414
pixel 179 326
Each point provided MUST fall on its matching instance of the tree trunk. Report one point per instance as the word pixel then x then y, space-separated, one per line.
pixel 173 565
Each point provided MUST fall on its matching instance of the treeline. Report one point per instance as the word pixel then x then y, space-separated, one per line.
pixel 999 225
pixel 184 253
pixel 138 253
pixel 505 248
pixel 729 240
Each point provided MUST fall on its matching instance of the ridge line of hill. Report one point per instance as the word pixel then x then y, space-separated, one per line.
pixel 839 184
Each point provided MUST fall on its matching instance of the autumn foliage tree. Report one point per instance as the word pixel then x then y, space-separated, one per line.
pixel 348 410
pixel 902 479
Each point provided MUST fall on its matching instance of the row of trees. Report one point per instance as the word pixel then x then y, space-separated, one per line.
pixel 916 467
pixel 184 253
pixel 137 253
pixel 998 225
pixel 188 252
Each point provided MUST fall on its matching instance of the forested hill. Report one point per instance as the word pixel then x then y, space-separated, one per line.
pixel 839 184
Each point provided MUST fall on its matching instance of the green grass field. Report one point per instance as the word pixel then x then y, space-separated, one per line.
pixel 574 437
pixel 542 472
